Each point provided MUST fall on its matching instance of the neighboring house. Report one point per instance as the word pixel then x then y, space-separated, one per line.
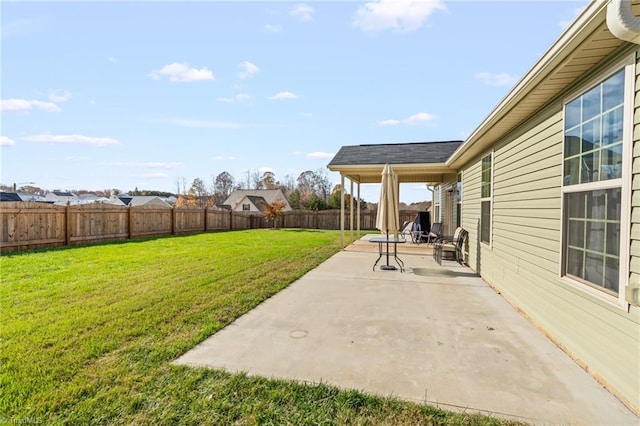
pixel 547 188
pixel 251 200
pixel 143 200
pixel 61 198
pixel 33 198
pixel 10 196
pixel 92 198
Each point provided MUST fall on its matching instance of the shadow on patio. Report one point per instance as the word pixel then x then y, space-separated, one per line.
pixel 435 334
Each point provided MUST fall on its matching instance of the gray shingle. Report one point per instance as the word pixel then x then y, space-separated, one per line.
pixel 395 153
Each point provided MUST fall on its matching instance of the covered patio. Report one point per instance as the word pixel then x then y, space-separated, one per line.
pixel 416 162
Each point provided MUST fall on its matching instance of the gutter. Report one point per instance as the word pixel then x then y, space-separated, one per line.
pixel 622 22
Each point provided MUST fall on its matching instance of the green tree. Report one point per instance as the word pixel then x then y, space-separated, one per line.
pixel 294 199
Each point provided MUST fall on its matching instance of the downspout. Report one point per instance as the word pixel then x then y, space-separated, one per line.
pixel 622 22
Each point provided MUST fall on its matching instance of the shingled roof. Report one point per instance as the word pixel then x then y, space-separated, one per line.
pixel 412 162
pixel 395 153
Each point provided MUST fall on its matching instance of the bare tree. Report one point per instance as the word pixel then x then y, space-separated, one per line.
pixel 199 190
pixel 256 179
pixel 269 180
pixel 223 186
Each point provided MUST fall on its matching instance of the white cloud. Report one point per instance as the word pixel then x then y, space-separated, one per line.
pixel 26 105
pixel 20 27
pixel 112 59
pixel 306 114
pixel 283 95
pixel 221 157
pixel 302 12
pixel 399 15
pixel 272 28
pixel 182 73
pixel 76 158
pixel 6 141
pixel 72 139
pixel 421 117
pixel 264 170
pixel 148 165
pixel 203 124
pixel 320 155
pixel 247 69
pixel 389 122
pixel 496 79
pixel 92 102
pixel 59 96
pixel 150 175
pixel 240 97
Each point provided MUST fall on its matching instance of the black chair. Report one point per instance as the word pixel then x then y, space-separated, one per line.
pixel 434 233
pixel 455 246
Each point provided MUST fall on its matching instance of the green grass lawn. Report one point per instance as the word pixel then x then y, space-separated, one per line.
pixel 88 335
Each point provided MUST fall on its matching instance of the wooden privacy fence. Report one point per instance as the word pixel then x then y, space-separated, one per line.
pixel 27 225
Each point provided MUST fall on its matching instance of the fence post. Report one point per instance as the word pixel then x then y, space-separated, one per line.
pixel 173 220
pixel 67 223
pixel 205 219
pixel 230 220
pixel 130 218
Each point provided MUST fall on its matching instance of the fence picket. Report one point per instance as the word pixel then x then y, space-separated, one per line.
pixel 28 225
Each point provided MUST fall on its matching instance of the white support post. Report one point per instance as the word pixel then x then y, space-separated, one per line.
pixel 358 209
pixel 341 210
pixel 351 211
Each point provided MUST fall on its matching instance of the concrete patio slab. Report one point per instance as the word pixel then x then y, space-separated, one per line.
pixel 435 334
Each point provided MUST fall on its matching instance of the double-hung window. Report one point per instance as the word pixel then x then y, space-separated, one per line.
pixel 486 191
pixel 597 132
pixel 436 204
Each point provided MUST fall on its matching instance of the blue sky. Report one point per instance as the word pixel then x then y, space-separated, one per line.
pixel 100 95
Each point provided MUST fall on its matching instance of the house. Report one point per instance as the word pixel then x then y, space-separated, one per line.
pixel 548 186
pixel 10 196
pixel 61 198
pixel 243 200
pixel 143 200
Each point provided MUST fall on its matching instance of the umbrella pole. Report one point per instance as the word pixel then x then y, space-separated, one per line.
pixel 387 247
pixel 388 267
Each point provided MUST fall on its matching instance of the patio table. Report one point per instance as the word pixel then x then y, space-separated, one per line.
pixel 383 248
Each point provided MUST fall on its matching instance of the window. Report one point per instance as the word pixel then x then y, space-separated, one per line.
pixel 246 207
pixel 485 199
pixel 436 204
pixel 593 186
pixel 459 200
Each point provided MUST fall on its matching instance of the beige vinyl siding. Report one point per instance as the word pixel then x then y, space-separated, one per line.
pixel 471 211
pixel 523 262
pixel 447 204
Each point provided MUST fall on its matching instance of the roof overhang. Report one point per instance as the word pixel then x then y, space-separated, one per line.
pixel 578 50
pixel 406 173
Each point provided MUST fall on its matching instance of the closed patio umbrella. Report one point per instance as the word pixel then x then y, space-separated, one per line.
pixel 388 217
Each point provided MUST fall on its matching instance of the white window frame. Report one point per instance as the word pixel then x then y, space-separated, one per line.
pixel 458 194
pixel 489 198
pixel 437 190
pixel 624 183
